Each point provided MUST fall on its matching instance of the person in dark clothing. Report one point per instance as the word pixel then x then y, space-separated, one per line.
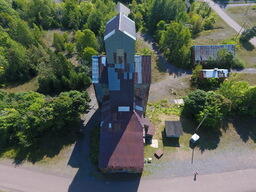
pixel 195 174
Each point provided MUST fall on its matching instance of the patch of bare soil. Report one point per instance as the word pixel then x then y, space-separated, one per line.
pixel 172 87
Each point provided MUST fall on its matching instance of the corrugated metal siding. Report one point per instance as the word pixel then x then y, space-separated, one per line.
pixel 215 73
pixel 95 69
pixel 146 69
pixel 113 81
pixel 138 69
pixel 205 52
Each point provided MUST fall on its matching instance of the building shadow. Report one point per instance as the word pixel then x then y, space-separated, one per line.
pixel 170 142
pixel 88 178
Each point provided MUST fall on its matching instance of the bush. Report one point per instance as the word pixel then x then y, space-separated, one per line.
pixel 213 106
pixel 59 42
pixel 175 42
pixel 27 117
pixel 235 92
pixel 62 76
pixel 224 60
pixel 237 64
pixel 248 34
pixel 205 84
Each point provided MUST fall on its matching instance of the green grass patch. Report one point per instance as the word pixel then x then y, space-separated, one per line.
pixel 219 33
pixel 249 77
pixel 158 68
pixel 162 107
pixel 224 34
pixel 31 85
pixel 243 14
pixel 158 113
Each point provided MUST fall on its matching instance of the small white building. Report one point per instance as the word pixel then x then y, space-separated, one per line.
pixel 215 73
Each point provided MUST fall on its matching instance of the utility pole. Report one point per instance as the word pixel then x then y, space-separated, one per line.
pixel 193 148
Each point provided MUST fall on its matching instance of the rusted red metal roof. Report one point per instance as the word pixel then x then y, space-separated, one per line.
pixel 150 127
pixel 122 148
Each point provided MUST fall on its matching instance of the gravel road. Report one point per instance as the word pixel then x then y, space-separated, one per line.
pixel 22 180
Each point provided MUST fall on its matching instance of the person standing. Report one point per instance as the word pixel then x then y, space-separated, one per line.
pixel 195 174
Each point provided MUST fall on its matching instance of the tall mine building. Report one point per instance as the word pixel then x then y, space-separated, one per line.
pixel 122 80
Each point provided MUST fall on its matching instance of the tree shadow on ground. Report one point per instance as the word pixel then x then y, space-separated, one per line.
pixel 247 45
pixel 209 139
pixel 162 64
pixel 88 178
pixel 245 128
pixel 48 146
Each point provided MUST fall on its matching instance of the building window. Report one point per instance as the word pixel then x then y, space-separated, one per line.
pixel 123 108
pixel 120 59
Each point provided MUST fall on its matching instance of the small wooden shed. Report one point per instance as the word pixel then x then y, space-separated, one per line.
pixel 173 129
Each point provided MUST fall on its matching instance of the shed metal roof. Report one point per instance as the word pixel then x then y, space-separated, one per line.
pixel 173 128
pixel 205 52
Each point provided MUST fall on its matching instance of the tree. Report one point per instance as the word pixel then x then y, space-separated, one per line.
pixel 194 103
pixel 248 103
pixel 175 42
pixel 41 12
pixel 224 60
pixel 72 15
pixel 95 22
pixel 213 106
pixel 87 55
pixel 196 23
pixel 215 109
pixel 59 42
pixel 205 84
pixel 235 92
pixel 70 47
pixel 85 8
pixel 28 117
pixel 85 38
pixel 166 10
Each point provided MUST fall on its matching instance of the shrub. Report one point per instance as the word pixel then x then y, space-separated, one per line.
pixel 213 106
pixel 27 117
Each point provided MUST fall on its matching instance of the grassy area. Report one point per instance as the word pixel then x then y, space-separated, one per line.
pixel 158 113
pixel 222 34
pixel 243 14
pixel 158 72
pixel 249 77
pixel 31 85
